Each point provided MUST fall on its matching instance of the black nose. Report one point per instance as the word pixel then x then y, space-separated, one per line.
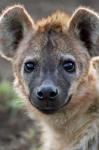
pixel 47 92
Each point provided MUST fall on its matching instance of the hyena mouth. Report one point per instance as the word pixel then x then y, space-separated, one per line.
pixel 69 99
pixel 50 110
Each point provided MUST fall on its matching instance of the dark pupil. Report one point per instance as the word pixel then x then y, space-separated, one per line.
pixel 69 66
pixel 29 67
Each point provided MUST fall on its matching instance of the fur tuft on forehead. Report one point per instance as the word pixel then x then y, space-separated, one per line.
pixel 56 22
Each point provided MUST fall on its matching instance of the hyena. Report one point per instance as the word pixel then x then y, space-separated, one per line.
pixel 56 67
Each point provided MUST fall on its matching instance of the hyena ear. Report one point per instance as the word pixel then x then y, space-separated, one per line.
pixel 84 24
pixel 15 24
pixel 94 71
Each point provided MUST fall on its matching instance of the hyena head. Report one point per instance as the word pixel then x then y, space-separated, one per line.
pixel 50 57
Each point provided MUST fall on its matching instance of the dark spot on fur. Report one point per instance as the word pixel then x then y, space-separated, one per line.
pixel 93 108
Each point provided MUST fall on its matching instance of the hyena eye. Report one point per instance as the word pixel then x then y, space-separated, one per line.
pixel 69 66
pixel 29 66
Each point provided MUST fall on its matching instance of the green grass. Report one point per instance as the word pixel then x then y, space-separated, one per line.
pixel 8 96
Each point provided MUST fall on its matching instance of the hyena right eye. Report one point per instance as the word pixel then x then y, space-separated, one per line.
pixel 29 66
pixel 69 66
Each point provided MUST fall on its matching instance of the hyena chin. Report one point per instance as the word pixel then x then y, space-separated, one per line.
pixel 56 66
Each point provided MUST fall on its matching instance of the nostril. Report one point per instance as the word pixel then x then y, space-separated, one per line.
pixel 53 94
pixel 40 95
pixel 46 93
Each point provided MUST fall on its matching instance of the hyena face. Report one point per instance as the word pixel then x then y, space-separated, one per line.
pixel 51 56
pixel 49 69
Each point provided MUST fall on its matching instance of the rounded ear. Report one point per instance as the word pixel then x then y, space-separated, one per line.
pixel 94 71
pixel 84 24
pixel 15 24
pixel 94 63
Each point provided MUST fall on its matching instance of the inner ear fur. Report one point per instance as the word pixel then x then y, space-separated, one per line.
pixel 84 24
pixel 15 24
pixel 94 63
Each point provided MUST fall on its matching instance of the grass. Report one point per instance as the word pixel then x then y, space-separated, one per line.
pixel 10 98
pixel 16 120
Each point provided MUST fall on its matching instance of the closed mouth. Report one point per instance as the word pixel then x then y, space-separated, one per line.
pixel 69 98
pixel 48 110
pixel 51 110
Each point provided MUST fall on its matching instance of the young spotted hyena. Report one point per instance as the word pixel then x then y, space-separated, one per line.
pixel 56 73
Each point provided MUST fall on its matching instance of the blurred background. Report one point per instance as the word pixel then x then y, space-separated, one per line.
pixel 17 130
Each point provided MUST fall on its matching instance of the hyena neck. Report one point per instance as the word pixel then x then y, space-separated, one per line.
pixel 53 140
pixel 75 134
pixel 85 138
pixel 89 139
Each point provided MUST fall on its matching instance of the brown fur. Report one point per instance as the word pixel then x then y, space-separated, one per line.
pixel 76 125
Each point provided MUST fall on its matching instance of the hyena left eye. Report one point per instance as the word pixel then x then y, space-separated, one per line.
pixel 69 66
pixel 29 67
